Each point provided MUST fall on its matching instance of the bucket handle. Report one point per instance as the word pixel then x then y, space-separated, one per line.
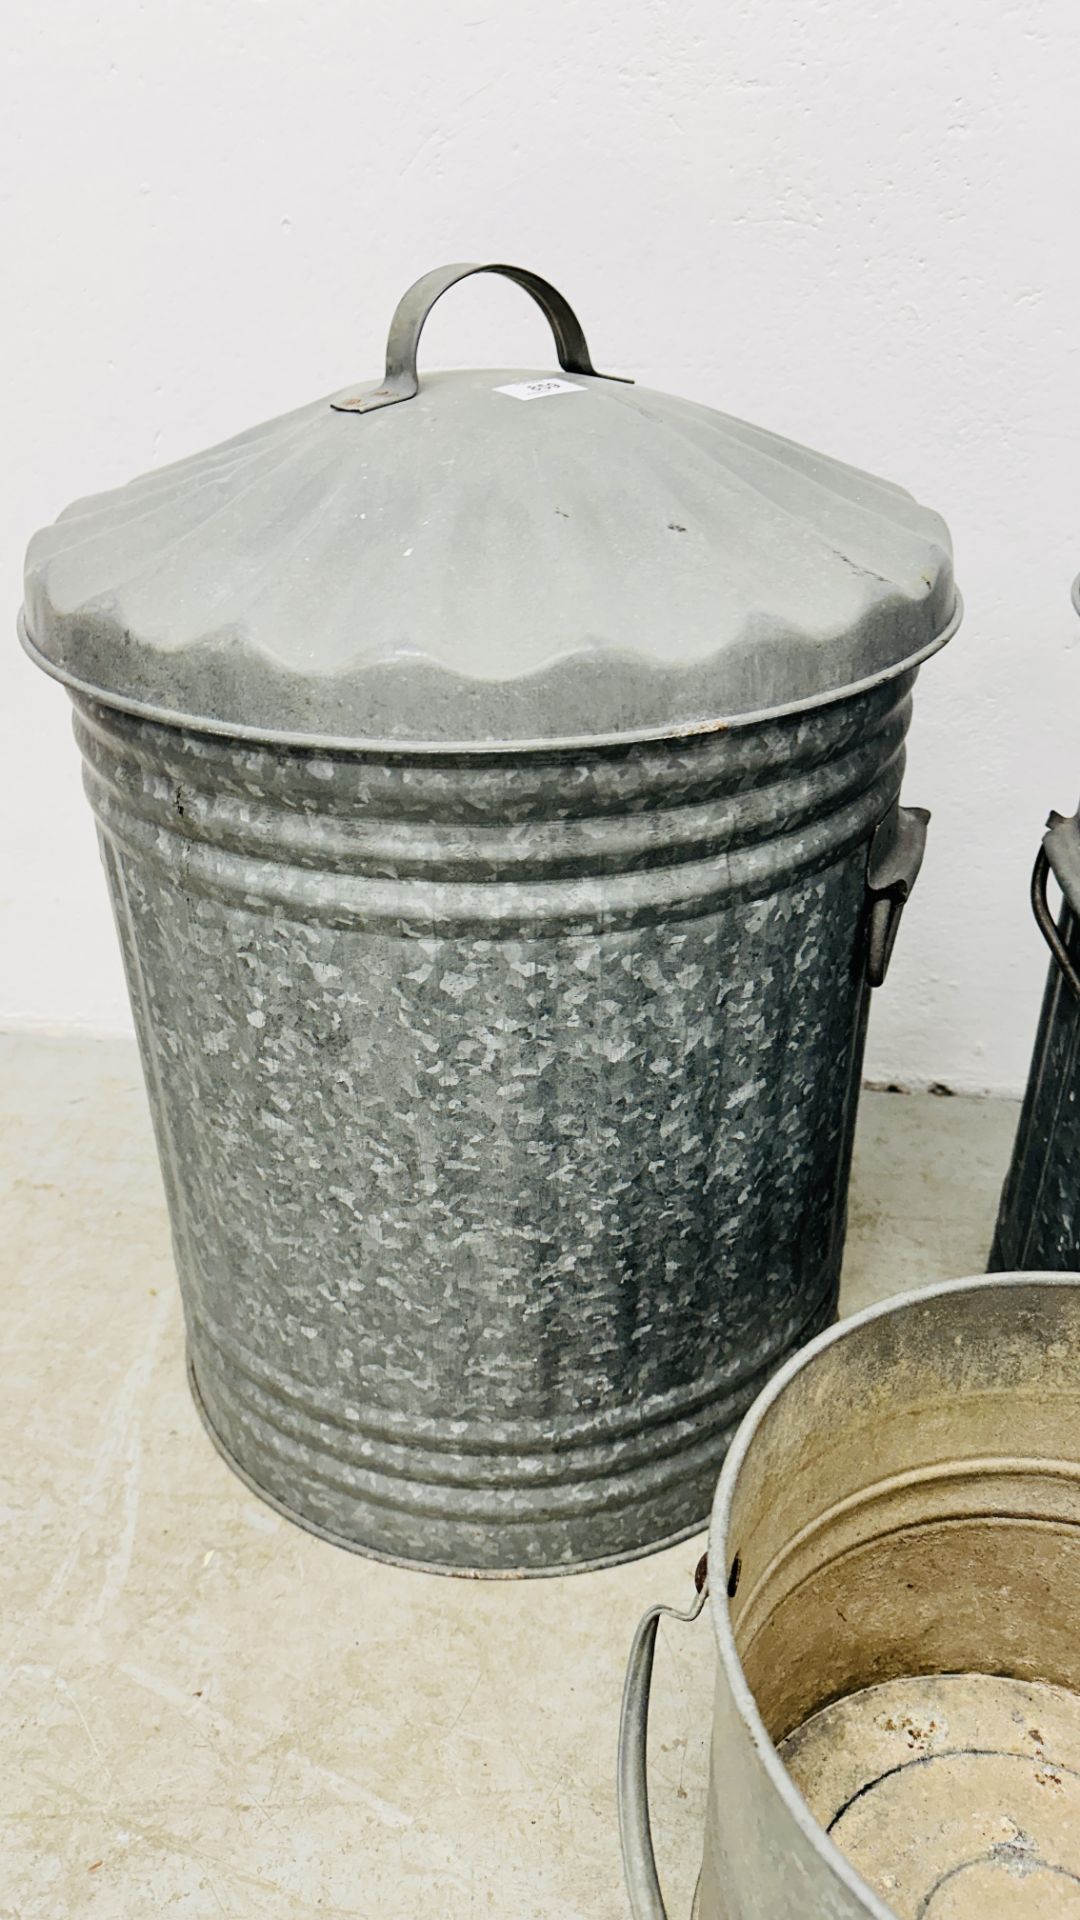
pixel 635 1830
pixel 1059 855
pixel 401 380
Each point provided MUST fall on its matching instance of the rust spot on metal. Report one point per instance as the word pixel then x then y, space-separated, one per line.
pixel 692 727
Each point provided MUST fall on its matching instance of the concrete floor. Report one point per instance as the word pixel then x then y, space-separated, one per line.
pixel 207 1712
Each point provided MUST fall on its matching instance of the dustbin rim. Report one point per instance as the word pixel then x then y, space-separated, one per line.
pixel 508 749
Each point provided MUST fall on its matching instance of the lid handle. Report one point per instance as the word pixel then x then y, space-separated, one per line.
pixel 401 380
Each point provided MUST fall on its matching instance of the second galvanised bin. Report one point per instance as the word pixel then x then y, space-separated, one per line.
pixel 497 777
pixel 1038 1221
pixel 894 1561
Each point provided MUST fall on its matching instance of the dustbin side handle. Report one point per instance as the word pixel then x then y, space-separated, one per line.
pixel 635 1829
pixel 401 380
pixel 896 855
pixel 1059 855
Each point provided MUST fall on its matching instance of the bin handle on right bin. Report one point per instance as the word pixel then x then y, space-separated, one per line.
pixel 635 1829
pixel 1059 855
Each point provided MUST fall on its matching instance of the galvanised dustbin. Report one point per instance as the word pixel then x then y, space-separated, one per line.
pixel 1038 1222
pixel 894 1563
pixel 497 778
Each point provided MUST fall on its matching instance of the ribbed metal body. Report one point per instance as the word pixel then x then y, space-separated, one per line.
pixel 1038 1224
pixel 505 1104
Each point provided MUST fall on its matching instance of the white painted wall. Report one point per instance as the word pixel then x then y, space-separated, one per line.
pixel 851 220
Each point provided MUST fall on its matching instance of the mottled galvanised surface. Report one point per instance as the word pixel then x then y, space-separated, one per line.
pixel 505 1105
pixel 1038 1226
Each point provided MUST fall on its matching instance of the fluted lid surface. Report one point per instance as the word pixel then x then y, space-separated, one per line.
pixel 494 558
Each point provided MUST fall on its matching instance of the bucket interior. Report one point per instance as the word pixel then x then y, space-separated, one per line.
pixel 905 1580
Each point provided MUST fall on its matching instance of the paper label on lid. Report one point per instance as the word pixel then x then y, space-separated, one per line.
pixel 539 389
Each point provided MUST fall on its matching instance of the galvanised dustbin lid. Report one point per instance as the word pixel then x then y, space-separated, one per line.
pixel 494 558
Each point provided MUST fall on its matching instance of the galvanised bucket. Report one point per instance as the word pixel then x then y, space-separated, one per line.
pixel 1039 1218
pixel 895 1556
pixel 502 1012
